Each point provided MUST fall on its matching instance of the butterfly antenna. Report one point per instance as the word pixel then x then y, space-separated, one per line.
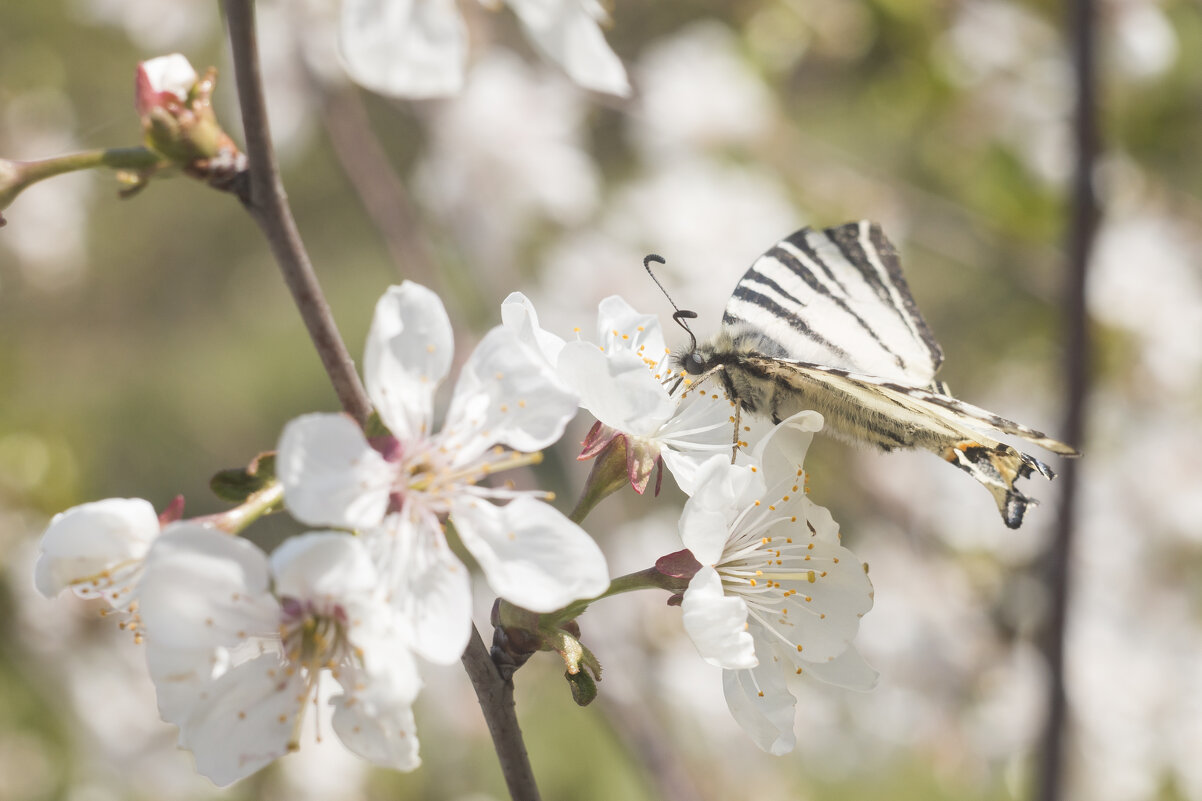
pixel 681 314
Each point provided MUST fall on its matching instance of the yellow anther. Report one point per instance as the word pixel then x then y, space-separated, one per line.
pixel 811 577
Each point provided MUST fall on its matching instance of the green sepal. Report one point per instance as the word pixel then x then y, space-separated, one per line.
pixel 238 484
pixel 584 689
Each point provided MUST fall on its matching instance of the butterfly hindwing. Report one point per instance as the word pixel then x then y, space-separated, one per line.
pixel 893 416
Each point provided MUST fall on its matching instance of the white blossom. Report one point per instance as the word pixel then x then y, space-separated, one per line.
pixel 507 404
pixel 97 550
pixel 775 595
pixel 237 644
pixel 418 48
pixel 624 382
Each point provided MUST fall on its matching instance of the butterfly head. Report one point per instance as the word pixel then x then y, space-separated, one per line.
pixel 692 360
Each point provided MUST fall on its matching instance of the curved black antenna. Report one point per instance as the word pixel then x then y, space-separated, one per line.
pixel 681 314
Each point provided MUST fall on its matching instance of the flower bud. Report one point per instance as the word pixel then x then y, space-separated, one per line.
pixel 178 122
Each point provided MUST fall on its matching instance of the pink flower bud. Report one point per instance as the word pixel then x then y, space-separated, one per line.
pixel 164 82
pixel 178 122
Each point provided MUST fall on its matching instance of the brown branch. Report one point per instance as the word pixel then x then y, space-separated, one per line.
pixel 1082 228
pixel 496 699
pixel 267 203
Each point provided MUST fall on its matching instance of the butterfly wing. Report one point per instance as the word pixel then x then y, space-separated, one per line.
pixel 893 415
pixel 834 297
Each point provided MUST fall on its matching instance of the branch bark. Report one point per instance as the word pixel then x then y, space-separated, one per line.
pixel 268 206
pixel 267 203
pixel 1082 228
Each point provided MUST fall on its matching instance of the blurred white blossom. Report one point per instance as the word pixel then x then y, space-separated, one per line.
pixel 418 48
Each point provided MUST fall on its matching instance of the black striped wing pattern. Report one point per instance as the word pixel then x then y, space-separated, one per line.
pixel 824 320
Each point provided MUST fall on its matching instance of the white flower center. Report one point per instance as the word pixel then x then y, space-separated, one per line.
pixel 432 474
pixel 775 575
pixel 314 637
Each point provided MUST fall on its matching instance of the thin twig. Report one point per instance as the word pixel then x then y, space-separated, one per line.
pixel 375 181
pixel 649 746
pixel 1083 226
pixel 268 204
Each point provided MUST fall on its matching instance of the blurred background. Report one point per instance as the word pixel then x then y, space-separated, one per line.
pixel 147 343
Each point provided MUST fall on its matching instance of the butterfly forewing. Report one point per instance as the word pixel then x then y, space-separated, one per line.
pixel 837 297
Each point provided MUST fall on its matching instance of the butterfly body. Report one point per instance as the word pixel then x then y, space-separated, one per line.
pixel 824 321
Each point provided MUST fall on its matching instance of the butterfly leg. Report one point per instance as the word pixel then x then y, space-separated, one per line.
pixel 737 419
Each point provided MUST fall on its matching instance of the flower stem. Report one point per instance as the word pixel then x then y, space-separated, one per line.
pixel 268 205
pixel 236 520
pixel 17 176
pixel 648 579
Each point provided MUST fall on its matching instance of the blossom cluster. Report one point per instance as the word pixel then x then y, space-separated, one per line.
pixel 240 643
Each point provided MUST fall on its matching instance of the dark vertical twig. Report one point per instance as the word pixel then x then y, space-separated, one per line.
pixel 268 205
pixel 1082 227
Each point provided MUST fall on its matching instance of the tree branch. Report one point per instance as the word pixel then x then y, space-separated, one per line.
pixel 268 205
pixel 496 700
pixel 1082 227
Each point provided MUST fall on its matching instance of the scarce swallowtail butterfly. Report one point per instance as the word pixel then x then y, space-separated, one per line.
pixel 824 321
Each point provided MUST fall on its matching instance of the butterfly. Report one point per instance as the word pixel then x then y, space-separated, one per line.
pixel 824 320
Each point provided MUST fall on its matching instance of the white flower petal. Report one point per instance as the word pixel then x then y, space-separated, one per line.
pixel 246 720
pixel 566 31
pixel 717 624
pixel 181 676
pixel 171 73
pixel 323 565
pixel 330 474
pixel 203 588
pixel 408 354
pixel 847 670
pixel 616 388
pixel 102 543
pixel 709 513
pixel 760 702
pixel 507 395
pixel 379 730
pixel 519 316
pixel 531 554
pixel 404 48
pixel 430 588
pixel 388 669
pixel 782 451
pixel 621 327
